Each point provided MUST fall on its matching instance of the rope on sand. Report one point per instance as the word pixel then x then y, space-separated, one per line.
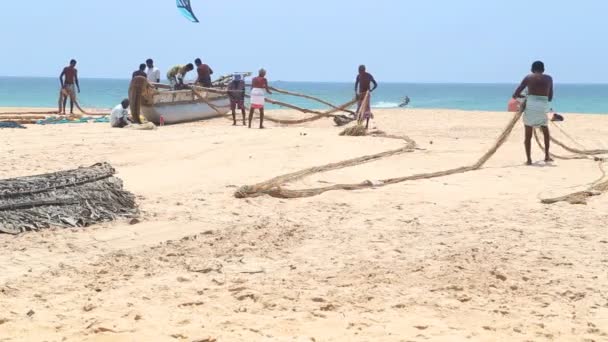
pixel 595 189
pixel 553 155
pixel 274 188
pixel 581 197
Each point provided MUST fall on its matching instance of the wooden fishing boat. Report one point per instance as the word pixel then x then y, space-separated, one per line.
pixel 178 106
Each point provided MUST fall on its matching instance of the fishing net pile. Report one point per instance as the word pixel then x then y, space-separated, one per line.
pixel 74 198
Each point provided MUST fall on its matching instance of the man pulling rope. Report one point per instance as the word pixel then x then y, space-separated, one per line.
pixel 536 107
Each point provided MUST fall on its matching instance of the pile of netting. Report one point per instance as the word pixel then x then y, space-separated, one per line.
pixel 74 198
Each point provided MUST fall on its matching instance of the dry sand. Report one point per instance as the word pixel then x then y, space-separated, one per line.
pixel 473 256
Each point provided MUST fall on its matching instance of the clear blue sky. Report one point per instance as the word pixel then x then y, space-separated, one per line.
pixel 312 40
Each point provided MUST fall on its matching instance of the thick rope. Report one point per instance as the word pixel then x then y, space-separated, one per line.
pixel 287 92
pixel 64 93
pixel 581 197
pixel 270 186
pixel 318 115
pixel 363 108
pixel 553 155
pixel 572 149
pixel 204 99
pixel 141 92
pixel 595 189
pixel 273 187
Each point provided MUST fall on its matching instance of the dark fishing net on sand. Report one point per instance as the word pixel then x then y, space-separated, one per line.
pixel 74 198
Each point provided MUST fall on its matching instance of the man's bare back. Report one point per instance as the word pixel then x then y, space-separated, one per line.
pixel 538 84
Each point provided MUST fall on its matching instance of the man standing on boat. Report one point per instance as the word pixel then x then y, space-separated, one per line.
pixel 177 74
pixel 140 72
pixel 236 92
pixel 152 71
pixel 363 92
pixel 204 73
pixel 259 89
pixel 540 94
pixel 69 84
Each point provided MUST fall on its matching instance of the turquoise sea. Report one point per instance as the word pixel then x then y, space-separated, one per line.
pixel 106 93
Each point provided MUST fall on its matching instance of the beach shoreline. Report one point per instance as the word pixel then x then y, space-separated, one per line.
pixel 290 113
pixel 473 256
pixel 106 93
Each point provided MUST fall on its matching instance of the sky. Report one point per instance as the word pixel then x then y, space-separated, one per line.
pixel 435 41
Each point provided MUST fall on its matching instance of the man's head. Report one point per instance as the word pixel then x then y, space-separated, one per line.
pixel 238 77
pixel 150 63
pixel 142 67
pixel 538 67
pixel 361 68
pixel 189 67
pixel 73 63
pixel 198 62
pixel 125 103
pixel 262 72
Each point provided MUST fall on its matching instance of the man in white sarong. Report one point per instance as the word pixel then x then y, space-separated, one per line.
pixel 540 93
pixel 259 88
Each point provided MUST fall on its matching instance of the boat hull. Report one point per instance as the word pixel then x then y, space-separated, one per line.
pixel 184 106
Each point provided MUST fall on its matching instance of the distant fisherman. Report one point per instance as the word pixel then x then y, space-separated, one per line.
pixel 236 92
pixel 70 84
pixel 204 73
pixel 540 93
pixel 119 117
pixel 362 87
pixel 140 71
pixel 152 71
pixel 259 89
pixel 177 74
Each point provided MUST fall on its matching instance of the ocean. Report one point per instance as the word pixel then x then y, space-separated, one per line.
pixel 106 93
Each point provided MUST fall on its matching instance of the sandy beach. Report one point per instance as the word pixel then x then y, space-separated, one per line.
pixel 469 257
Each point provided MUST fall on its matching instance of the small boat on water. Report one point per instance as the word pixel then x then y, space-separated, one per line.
pixel 179 106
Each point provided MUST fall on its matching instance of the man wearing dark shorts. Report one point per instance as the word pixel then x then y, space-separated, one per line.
pixel 236 92
pixel 70 84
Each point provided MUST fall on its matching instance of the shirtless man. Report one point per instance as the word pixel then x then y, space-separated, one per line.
pixel 540 94
pixel 70 73
pixel 140 72
pixel 204 73
pixel 259 86
pixel 362 86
